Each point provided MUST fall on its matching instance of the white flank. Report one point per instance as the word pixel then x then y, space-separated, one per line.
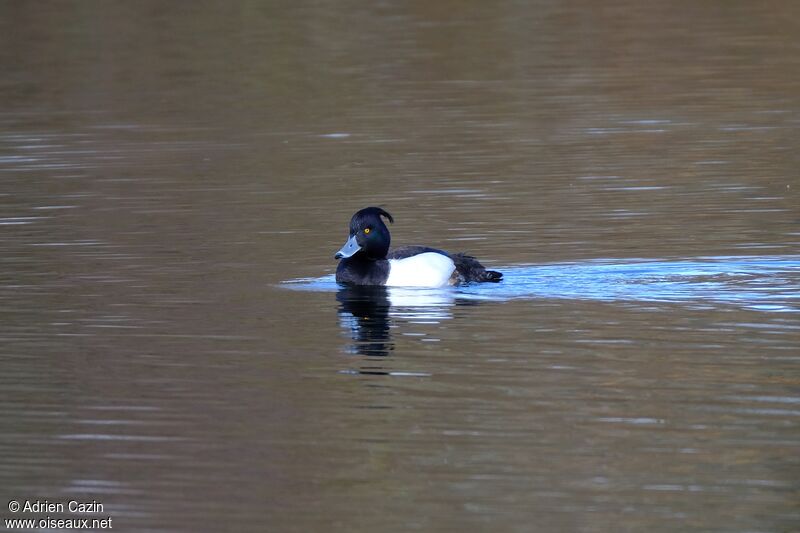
pixel 423 270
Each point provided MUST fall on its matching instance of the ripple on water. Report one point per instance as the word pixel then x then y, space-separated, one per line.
pixel 761 283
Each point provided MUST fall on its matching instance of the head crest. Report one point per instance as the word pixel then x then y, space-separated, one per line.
pixel 373 211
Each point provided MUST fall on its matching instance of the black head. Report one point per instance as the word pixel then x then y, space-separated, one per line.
pixel 369 236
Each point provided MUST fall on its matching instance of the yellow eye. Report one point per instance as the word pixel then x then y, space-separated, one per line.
pixel 366 230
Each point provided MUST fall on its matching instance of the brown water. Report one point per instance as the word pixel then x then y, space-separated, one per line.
pixel 632 166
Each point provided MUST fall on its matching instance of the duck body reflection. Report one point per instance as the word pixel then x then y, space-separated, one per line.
pixel 364 313
pixel 367 313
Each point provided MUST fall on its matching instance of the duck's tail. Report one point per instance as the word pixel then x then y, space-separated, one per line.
pixel 469 269
pixel 493 276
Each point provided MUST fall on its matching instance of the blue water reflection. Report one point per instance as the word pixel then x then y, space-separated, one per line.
pixel 764 283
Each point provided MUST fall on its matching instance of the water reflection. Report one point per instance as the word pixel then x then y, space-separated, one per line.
pixel 364 314
pixel 368 314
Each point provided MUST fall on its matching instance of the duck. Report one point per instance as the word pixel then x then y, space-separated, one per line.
pixel 365 259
